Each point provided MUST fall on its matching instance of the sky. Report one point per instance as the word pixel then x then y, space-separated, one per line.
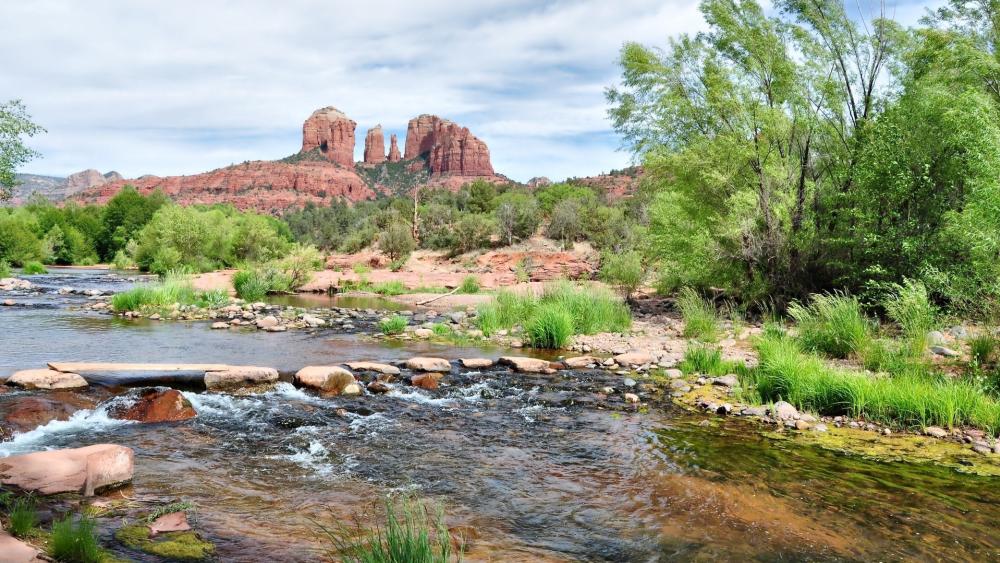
pixel 186 86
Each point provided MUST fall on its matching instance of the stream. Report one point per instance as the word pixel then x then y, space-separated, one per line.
pixel 528 465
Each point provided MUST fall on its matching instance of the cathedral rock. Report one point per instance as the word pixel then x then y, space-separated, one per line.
pixel 450 149
pixel 375 146
pixel 332 132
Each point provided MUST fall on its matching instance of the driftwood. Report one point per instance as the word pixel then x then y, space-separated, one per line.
pixel 436 297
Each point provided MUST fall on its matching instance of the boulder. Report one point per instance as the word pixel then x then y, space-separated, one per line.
pixel 152 404
pixel 78 470
pixel 16 551
pixel 237 377
pixel 27 412
pixel 476 363
pixel 936 431
pixel 784 411
pixel 634 359
pixel 423 333
pixel 944 351
pixel 580 362
pixel 331 380
pixel 525 365
pixel 384 369
pixel 267 322
pixel 426 380
pixel 429 364
pixel 726 381
pixel 46 379
pixel 378 387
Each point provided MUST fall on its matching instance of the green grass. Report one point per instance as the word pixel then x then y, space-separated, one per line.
pixel 701 320
pixel 4 269
pixel 551 326
pixel 910 307
pixel 789 373
pixel 983 348
pixel 393 287
pixel 832 323
pixel 470 284
pixel 33 268
pixel 589 309
pixel 251 285
pixel 75 541
pixel 395 324
pixel 706 359
pixel 410 533
pixel 360 268
pixel 158 295
pixel 22 517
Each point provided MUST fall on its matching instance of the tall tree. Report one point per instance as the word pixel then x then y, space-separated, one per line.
pixel 15 124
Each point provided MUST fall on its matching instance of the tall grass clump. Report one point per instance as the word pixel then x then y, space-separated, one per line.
pixel 410 533
pixel 470 284
pixel 504 311
pixel 75 540
pixel 701 320
pixel 910 307
pixel 703 358
pixel 394 287
pixel 4 269
pixel 33 268
pixel 173 289
pixel 787 372
pixel 551 326
pixel 22 517
pixel 255 283
pixel 395 324
pixel 832 323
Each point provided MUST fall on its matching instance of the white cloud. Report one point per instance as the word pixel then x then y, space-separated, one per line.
pixel 186 86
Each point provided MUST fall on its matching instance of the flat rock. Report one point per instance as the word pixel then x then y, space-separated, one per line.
pixel 237 377
pixel 331 380
pixel 423 333
pixel 784 410
pixel 429 364
pixel 153 404
pixel 172 522
pixel 46 379
pixel 580 362
pixel 944 351
pixel 14 550
pixel 384 369
pixel 634 359
pixel 525 365
pixel 78 470
pixel 936 431
pixel 726 381
pixel 219 325
pixel 476 363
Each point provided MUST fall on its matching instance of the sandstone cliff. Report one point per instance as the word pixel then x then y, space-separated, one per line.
pixel 332 132
pixel 394 150
pixel 374 146
pixel 449 148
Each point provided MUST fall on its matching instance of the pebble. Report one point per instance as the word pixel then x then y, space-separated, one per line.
pixel 631 398
pixel 629 382
pixel 820 427
pixel 935 431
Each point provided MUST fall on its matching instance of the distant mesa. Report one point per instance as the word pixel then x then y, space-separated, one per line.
pixel 89 178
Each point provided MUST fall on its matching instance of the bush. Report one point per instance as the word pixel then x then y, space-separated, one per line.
pixel 832 324
pixel 395 324
pixel 701 320
pixel 22 517
pixel 470 284
pixel 122 261
pixel 298 266
pixel 624 272
pixel 911 309
pixel 551 326
pixel 173 289
pixel 704 359
pixel 472 232
pixel 75 541
pixel 565 224
pixel 4 269
pixel 33 268
pixel 255 284
pixel 516 216
pixel 396 241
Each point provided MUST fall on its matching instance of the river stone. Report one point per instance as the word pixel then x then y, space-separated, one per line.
pixel 476 363
pixel 267 322
pixel 79 470
pixel 172 522
pixel 238 377
pixel 580 362
pixel 219 325
pixel 384 369
pixel 634 359
pixel 784 411
pixel 427 381
pixel 525 365
pixel 944 351
pixel 726 381
pixel 423 333
pixel 935 338
pixel 16 551
pixel 673 373
pixel 332 380
pixel 631 398
pixel 46 379
pixel 152 404
pixel 378 387
pixel 428 364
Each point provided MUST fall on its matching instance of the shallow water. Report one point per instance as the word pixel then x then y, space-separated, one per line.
pixel 537 479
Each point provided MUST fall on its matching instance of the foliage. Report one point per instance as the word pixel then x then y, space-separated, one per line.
pixel 4 269
pixel 551 326
pixel 910 307
pixel 392 287
pixel 33 268
pixel 549 197
pixel 701 320
pixel 22 516
pixel 705 359
pixel 174 288
pixel 565 224
pixel 624 272
pixel 470 284
pixel 15 124
pixel 832 323
pixel 411 533
pixel 123 217
pixel 395 324
pixel 471 232
pixel 396 241
pixel 517 216
pixel 75 540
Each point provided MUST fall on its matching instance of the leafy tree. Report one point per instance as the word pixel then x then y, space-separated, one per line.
pixel 396 241
pixel 623 271
pixel 124 216
pixel 565 224
pixel 472 232
pixel 15 123
pixel 517 216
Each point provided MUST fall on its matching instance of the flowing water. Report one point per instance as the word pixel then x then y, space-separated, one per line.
pixel 530 466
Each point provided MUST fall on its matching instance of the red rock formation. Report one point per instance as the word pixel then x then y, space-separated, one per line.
pixel 617 184
pixel 375 146
pixel 261 185
pixel 154 405
pixel 450 149
pixel 394 149
pixel 84 179
pixel 332 132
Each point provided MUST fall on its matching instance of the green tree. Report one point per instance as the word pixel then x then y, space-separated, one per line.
pixel 517 216
pixel 15 124
pixel 396 241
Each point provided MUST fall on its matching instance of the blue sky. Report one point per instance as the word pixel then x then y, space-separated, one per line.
pixel 186 86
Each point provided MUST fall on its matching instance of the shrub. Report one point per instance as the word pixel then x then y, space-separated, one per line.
pixel 33 268
pixel 911 309
pixel 470 284
pixel 701 320
pixel 704 359
pixel 551 326
pixel 396 241
pixel 472 232
pixel 565 224
pixel 410 534
pixel 393 287
pixel 832 323
pixel 298 266
pixel 517 217
pixel 22 517
pixel 75 541
pixel 4 269
pixel 122 261
pixel 624 272
pixel 252 285
pixel 395 324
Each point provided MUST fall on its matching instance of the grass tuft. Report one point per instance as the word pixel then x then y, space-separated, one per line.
pixel 75 540
pixel 22 517
pixel 550 327
pixel 173 289
pixel 395 324
pixel 832 323
pixel 33 268
pixel 470 284
pixel 701 320
pixel 910 307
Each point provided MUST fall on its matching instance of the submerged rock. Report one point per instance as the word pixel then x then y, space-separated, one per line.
pixel 384 369
pixel 427 381
pixel 153 404
pixel 177 546
pixel 239 377
pixel 525 365
pixel 429 364
pixel 46 379
pixel 172 522
pixel 331 380
pixel 26 413
pixel 476 363
pixel 78 470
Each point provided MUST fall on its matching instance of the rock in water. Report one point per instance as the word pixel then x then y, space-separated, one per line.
pixel 634 359
pixel 152 404
pixel 375 146
pixel 429 364
pixel 476 363
pixel 332 132
pixel 80 470
pixel 239 377
pixel 172 522
pixel 580 362
pixel 331 380
pixel 46 379
pixel 384 369
pixel 426 380
pixel 525 365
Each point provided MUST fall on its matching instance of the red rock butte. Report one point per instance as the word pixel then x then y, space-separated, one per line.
pixel 324 170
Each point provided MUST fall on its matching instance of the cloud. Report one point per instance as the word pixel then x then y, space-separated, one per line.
pixel 186 86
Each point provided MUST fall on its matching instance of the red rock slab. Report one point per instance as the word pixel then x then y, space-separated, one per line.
pixel 78 470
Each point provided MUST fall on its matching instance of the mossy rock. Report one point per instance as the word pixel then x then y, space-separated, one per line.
pixel 177 546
